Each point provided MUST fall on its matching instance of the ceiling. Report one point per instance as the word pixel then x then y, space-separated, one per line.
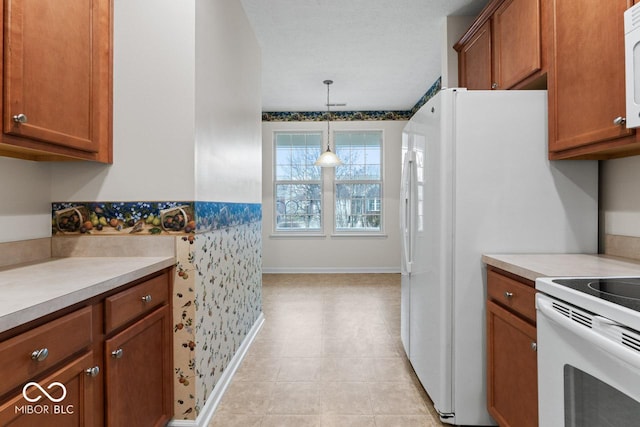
pixel 381 54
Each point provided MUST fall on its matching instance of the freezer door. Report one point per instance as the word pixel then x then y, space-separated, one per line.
pixel 405 235
pixel 430 305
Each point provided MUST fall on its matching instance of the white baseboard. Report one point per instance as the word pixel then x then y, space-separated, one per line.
pixel 329 270
pixel 210 406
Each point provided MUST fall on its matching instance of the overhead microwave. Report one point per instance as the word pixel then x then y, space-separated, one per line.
pixel 632 64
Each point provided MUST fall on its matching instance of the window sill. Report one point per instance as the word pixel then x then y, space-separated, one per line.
pixel 363 234
pixel 297 236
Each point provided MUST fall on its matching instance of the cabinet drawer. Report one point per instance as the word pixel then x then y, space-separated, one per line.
pixel 511 293
pixel 56 341
pixel 127 305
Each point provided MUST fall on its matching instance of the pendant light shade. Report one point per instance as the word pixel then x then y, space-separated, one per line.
pixel 328 159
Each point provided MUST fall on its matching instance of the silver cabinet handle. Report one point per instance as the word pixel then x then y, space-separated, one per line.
pixel 619 121
pixel 146 298
pixel 117 354
pixel 508 294
pixel 40 355
pixel 534 346
pixel 494 86
pixel 92 372
pixel 20 118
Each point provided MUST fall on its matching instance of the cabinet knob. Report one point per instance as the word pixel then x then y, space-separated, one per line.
pixel 20 118
pixel 146 298
pixel 40 355
pixel 508 294
pixel 494 85
pixel 92 372
pixel 534 346
pixel 117 354
pixel 619 121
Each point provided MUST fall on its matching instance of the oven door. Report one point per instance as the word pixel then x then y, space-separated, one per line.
pixel 588 368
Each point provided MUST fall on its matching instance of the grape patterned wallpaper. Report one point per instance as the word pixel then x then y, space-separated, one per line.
pixel 217 292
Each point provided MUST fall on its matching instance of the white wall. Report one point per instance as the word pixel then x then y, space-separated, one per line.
pixel 153 110
pixel 453 27
pixel 228 104
pixel 25 195
pixel 620 196
pixel 330 253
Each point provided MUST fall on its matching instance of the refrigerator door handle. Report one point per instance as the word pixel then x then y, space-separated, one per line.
pixel 406 215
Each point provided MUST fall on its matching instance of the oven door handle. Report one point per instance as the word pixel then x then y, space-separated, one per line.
pixel 593 335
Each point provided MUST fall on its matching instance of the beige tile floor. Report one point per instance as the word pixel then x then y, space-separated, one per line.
pixel 328 354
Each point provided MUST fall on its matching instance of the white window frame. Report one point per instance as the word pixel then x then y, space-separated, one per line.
pixel 360 231
pixel 276 182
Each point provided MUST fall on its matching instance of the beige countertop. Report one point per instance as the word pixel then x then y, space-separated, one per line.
pixel 532 266
pixel 28 292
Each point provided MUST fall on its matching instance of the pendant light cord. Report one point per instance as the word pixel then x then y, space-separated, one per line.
pixel 328 159
pixel 328 83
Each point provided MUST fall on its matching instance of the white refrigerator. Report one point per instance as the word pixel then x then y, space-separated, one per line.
pixel 476 179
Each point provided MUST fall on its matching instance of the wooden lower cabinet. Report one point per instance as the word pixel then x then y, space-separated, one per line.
pixel 76 384
pixel 138 373
pixel 512 373
pixel 100 372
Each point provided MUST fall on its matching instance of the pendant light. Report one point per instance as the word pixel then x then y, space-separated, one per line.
pixel 328 159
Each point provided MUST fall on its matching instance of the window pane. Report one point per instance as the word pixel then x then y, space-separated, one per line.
pixel 359 181
pixel 360 153
pixel 358 207
pixel 295 154
pixel 298 206
pixel 283 172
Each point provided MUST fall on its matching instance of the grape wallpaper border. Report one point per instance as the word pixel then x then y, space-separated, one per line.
pixel 155 218
pixel 319 116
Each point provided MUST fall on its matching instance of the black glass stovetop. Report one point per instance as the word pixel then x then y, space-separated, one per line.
pixel 623 291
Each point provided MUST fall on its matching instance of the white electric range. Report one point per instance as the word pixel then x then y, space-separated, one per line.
pixel 588 351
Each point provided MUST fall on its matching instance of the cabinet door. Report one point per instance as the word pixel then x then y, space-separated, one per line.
pixel 57 72
pixel 516 42
pixel 586 80
pixel 512 369
pixel 138 373
pixel 71 402
pixel 475 60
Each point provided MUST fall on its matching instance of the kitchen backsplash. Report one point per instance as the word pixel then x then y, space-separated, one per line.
pixel 622 246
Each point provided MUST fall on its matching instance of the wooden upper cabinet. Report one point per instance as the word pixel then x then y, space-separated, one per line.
pixel 474 71
pixel 587 81
pixel 504 47
pixel 57 79
pixel 516 42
